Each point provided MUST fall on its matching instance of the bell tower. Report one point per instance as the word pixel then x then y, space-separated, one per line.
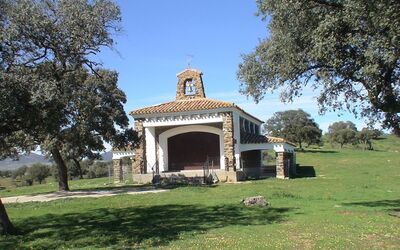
pixel 190 85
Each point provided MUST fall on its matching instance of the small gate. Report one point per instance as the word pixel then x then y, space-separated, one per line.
pixel 209 167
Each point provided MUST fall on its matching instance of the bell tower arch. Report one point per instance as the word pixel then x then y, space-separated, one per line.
pixel 190 85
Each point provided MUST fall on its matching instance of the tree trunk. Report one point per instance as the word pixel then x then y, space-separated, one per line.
pixel 6 226
pixel 78 166
pixel 369 145
pixel 62 170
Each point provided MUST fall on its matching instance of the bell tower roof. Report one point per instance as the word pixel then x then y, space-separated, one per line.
pixel 190 85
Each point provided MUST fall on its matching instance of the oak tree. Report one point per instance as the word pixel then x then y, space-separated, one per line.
pixel 348 51
pixel 294 125
pixel 52 90
pixel 342 133
pixel 366 135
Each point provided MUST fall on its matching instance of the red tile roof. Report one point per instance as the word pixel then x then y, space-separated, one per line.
pixel 247 138
pixel 272 139
pixel 195 104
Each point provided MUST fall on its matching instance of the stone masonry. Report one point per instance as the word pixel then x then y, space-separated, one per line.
pixel 139 162
pixel 117 168
pixel 285 166
pixel 183 77
pixel 229 153
pixel 280 165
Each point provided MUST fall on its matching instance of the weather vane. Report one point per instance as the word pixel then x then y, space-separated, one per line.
pixel 189 59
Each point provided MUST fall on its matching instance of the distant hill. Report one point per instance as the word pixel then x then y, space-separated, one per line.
pixel 107 156
pixel 32 158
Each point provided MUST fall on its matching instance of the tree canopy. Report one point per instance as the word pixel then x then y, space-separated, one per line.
pixel 53 93
pixel 348 51
pixel 294 125
pixel 366 135
pixel 342 133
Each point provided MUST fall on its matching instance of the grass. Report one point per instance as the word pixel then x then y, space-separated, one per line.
pixel 347 205
pixel 7 189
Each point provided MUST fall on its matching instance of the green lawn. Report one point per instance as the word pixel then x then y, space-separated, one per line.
pixel 7 189
pixel 346 206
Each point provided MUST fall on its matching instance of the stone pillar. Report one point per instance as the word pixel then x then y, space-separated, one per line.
pixel 229 144
pixel 117 169
pixel 282 168
pixel 139 162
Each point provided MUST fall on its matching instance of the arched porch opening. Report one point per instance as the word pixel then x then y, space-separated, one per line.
pixel 193 141
pixel 189 151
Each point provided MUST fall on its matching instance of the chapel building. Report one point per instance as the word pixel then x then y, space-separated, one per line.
pixel 193 136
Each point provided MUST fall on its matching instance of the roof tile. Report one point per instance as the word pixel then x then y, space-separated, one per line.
pixel 183 105
pixel 247 138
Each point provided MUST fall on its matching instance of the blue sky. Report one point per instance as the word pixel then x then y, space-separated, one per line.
pixel 159 35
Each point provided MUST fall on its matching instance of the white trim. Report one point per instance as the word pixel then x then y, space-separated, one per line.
pixel 183 113
pixel 121 154
pixel 182 120
pixel 163 142
pixel 277 147
pixel 195 112
pixel 151 156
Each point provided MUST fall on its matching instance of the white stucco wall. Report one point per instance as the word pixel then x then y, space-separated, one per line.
pixel 150 148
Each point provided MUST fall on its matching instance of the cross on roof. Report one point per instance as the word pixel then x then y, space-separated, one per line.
pixel 189 59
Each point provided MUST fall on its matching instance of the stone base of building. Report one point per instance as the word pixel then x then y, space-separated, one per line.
pixel 222 175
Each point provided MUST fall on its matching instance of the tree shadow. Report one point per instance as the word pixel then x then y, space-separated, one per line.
pixel 388 204
pixel 121 188
pixel 379 139
pixel 392 206
pixel 305 172
pixel 134 227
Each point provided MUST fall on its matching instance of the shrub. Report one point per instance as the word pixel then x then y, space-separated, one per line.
pixel 99 169
pixel 5 173
pixel 38 172
pixel 20 172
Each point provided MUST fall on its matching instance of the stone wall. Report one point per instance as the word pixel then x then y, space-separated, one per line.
pixel 195 76
pixel 139 162
pixel 117 169
pixel 227 127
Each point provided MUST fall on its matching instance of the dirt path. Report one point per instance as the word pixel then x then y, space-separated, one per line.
pixel 78 194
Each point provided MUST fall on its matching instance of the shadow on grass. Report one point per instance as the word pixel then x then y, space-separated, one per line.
pixel 392 206
pixel 379 139
pixel 134 227
pixel 305 172
pixel 111 188
pixel 388 204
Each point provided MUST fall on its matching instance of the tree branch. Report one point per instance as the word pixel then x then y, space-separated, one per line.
pixel 328 3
